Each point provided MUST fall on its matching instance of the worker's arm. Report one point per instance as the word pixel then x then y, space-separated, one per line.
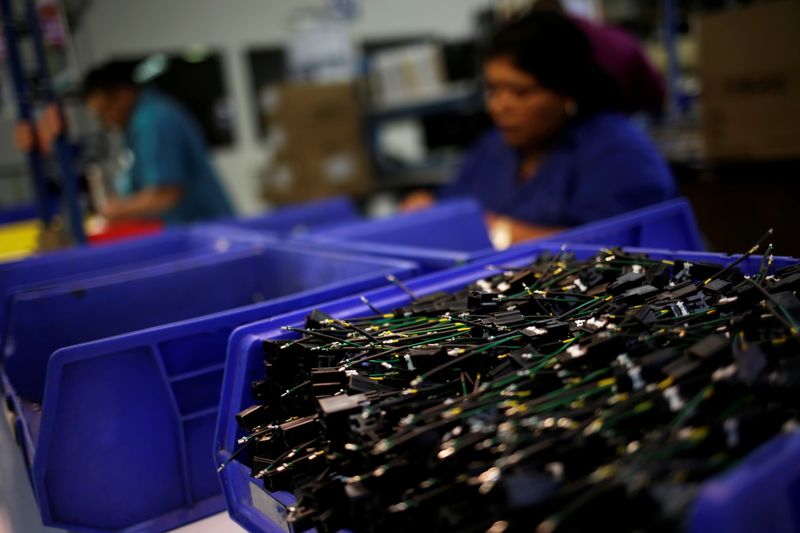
pixel 24 136
pixel 164 156
pixel 468 181
pixel 147 203
pixel 506 231
pixel 417 200
pixel 28 137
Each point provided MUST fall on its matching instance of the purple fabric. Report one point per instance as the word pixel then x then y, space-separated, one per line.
pixel 623 59
pixel 602 166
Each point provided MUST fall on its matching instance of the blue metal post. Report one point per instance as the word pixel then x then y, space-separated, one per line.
pixel 69 178
pixel 25 108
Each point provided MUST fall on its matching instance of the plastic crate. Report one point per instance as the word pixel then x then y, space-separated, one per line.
pixel 448 234
pixel 669 225
pixel 27 212
pixel 136 254
pixel 124 434
pixel 300 218
pixel 727 501
pixel 666 226
pixel 17 213
pixel 454 233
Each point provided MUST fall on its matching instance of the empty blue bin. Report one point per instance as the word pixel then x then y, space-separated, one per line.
pixel 115 421
pixel 730 503
pixel 669 225
pixel 454 233
pixel 300 218
pixel 666 226
pixel 445 235
pixel 135 254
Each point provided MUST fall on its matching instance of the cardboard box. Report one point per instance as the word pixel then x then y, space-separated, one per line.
pixel 750 67
pixel 322 152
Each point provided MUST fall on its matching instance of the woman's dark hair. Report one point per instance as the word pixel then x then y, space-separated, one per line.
pixel 108 77
pixel 558 54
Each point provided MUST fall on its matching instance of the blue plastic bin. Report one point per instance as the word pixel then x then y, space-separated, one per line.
pixel 724 505
pixel 454 233
pixel 301 218
pixel 666 226
pixel 17 213
pixel 669 225
pixel 124 435
pixel 136 254
pixel 445 235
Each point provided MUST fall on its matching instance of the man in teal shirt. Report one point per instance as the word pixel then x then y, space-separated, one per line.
pixel 168 172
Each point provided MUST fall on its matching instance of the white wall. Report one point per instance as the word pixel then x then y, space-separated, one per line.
pixel 116 27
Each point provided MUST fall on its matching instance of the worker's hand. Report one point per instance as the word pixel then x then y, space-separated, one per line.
pixel 24 136
pixel 113 209
pixel 417 200
pixel 51 125
pixel 505 231
pixel 499 228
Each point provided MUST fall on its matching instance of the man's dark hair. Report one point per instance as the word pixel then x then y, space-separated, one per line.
pixel 558 54
pixel 109 77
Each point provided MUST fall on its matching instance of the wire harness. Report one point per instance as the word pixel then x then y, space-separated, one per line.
pixel 566 395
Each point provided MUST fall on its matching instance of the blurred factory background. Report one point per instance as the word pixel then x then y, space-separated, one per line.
pixel 303 99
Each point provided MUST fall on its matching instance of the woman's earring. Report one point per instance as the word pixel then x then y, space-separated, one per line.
pixel 570 108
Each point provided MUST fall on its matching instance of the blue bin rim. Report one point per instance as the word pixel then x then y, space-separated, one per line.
pixel 333 237
pixel 28 292
pixel 233 384
pixel 442 210
pixel 222 236
pixel 340 202
pixel 219 241
pixel 435 212
pixel 395 265
pixel 402 251
pixel 679 204
pixel 92 281
pixel 676 207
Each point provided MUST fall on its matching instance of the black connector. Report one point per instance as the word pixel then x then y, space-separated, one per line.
pixel 626 282
pixel 637 295
pixel 253 418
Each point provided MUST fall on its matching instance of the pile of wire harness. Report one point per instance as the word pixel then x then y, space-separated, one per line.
pixel 562 396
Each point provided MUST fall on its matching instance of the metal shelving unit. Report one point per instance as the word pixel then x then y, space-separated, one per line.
pixel 14 30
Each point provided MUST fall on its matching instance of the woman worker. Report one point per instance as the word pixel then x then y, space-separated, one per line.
pixel 560 155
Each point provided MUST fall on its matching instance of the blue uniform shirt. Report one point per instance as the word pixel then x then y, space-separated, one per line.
pixel 600 167
pixel 168 148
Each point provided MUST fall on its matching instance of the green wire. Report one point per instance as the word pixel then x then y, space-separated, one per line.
pixel 431 341
pixel 690 407
pixel 497 343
